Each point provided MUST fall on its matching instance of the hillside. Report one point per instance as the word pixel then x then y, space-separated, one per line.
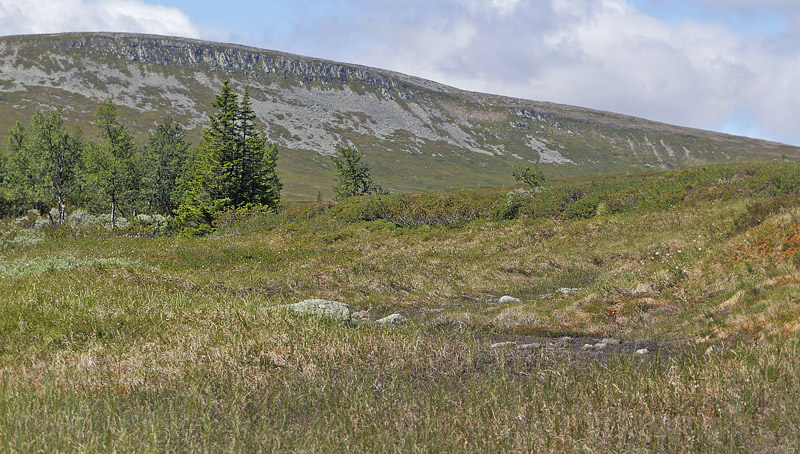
pixel 418 135
pixel 650 313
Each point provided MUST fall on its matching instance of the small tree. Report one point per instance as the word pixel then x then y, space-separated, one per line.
pixel 353 175
pixel 111 165
pixel 44 164
pixel 531 175
pixel 163 162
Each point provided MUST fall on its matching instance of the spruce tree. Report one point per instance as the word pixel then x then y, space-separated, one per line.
pixel 235 166
pixel 353 175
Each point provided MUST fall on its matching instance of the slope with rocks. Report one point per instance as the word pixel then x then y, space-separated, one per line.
pixel 417 134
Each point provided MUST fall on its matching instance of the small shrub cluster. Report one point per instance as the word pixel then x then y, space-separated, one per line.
pixel 579 198
pixel 410 210
pixel 760 210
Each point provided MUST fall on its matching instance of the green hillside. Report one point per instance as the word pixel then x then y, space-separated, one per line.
pixel 419 135
pixel 134 340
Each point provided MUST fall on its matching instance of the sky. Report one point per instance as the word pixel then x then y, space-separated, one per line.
pixel 723 65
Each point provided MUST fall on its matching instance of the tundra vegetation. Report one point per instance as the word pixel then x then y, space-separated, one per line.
pixel 648 312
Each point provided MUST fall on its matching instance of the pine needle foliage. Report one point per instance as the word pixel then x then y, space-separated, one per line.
pixel 353 175
pixel 235 166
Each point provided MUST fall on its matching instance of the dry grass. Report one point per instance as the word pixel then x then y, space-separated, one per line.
pixel 165 344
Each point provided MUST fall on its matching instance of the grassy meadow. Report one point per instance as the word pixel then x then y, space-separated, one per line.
pixel 134 340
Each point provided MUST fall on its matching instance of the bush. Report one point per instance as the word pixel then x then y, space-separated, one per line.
pixel 758 211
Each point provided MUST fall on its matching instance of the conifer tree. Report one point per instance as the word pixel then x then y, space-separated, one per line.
pixel 235 166
pixel 353 175
pixel 111 165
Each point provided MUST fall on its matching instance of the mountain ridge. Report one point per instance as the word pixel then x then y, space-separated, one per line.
pixel 417 134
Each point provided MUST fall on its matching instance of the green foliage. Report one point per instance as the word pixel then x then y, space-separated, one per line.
pixel 235 166
pixel 758 211
pixel 411 210
pixel 45 162
pixel 531 175
pixel 111 167
pixel 353 178
pixel 198 220
pixel 164 159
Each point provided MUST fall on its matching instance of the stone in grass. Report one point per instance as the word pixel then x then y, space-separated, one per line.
pixel 587 347
pixel 360 316
pixel 600 346
pixel 505 299
pixel 322 308
pixel 502 344
pixel 610 341
pixel 532 346
pixel 642 351
pixel 393 319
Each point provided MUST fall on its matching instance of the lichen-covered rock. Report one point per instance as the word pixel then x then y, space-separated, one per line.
pixel 391 320
pixel 503 344
pixel 328 309
pixel 505 299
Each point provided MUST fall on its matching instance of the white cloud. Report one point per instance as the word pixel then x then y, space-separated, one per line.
pixel 53 16
pixel 604 54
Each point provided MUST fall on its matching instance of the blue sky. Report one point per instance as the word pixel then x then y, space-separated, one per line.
pixel 724 65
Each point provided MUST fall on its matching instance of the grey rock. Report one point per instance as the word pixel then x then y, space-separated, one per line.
pixel 608 341
pixel 502 344
pixel 600 346
pixel 587 347
pixel 641 289
pixel 532 346
pixel 393 319
pixel 567 290
pixel 360 316
pixel 322 308
pixel 642 351
pixel 508 299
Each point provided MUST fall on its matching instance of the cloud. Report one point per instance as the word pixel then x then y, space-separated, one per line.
pixel 604 54
pixel 53 16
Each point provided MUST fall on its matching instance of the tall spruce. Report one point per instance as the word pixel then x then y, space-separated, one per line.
pixel 111 165
pixel 163 162
pixel 235 166
pixel 44 162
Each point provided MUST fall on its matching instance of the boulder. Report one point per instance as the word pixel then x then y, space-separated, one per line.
pixel 393 319
pixel 327 309
pixel 508 299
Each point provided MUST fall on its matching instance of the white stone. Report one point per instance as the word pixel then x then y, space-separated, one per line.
pixel 393 319
pixel 508 299
pixel 502 344
pixel 328 309
pixel 532 346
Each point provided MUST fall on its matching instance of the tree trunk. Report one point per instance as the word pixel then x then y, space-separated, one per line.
pixel 113 213
pixel 62 210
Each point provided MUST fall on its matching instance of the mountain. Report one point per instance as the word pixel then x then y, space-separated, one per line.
pixel 417 135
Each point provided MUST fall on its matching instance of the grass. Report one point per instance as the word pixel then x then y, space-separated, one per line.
pixel 128 342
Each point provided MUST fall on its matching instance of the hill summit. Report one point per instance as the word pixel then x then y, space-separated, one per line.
pixel 418 135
